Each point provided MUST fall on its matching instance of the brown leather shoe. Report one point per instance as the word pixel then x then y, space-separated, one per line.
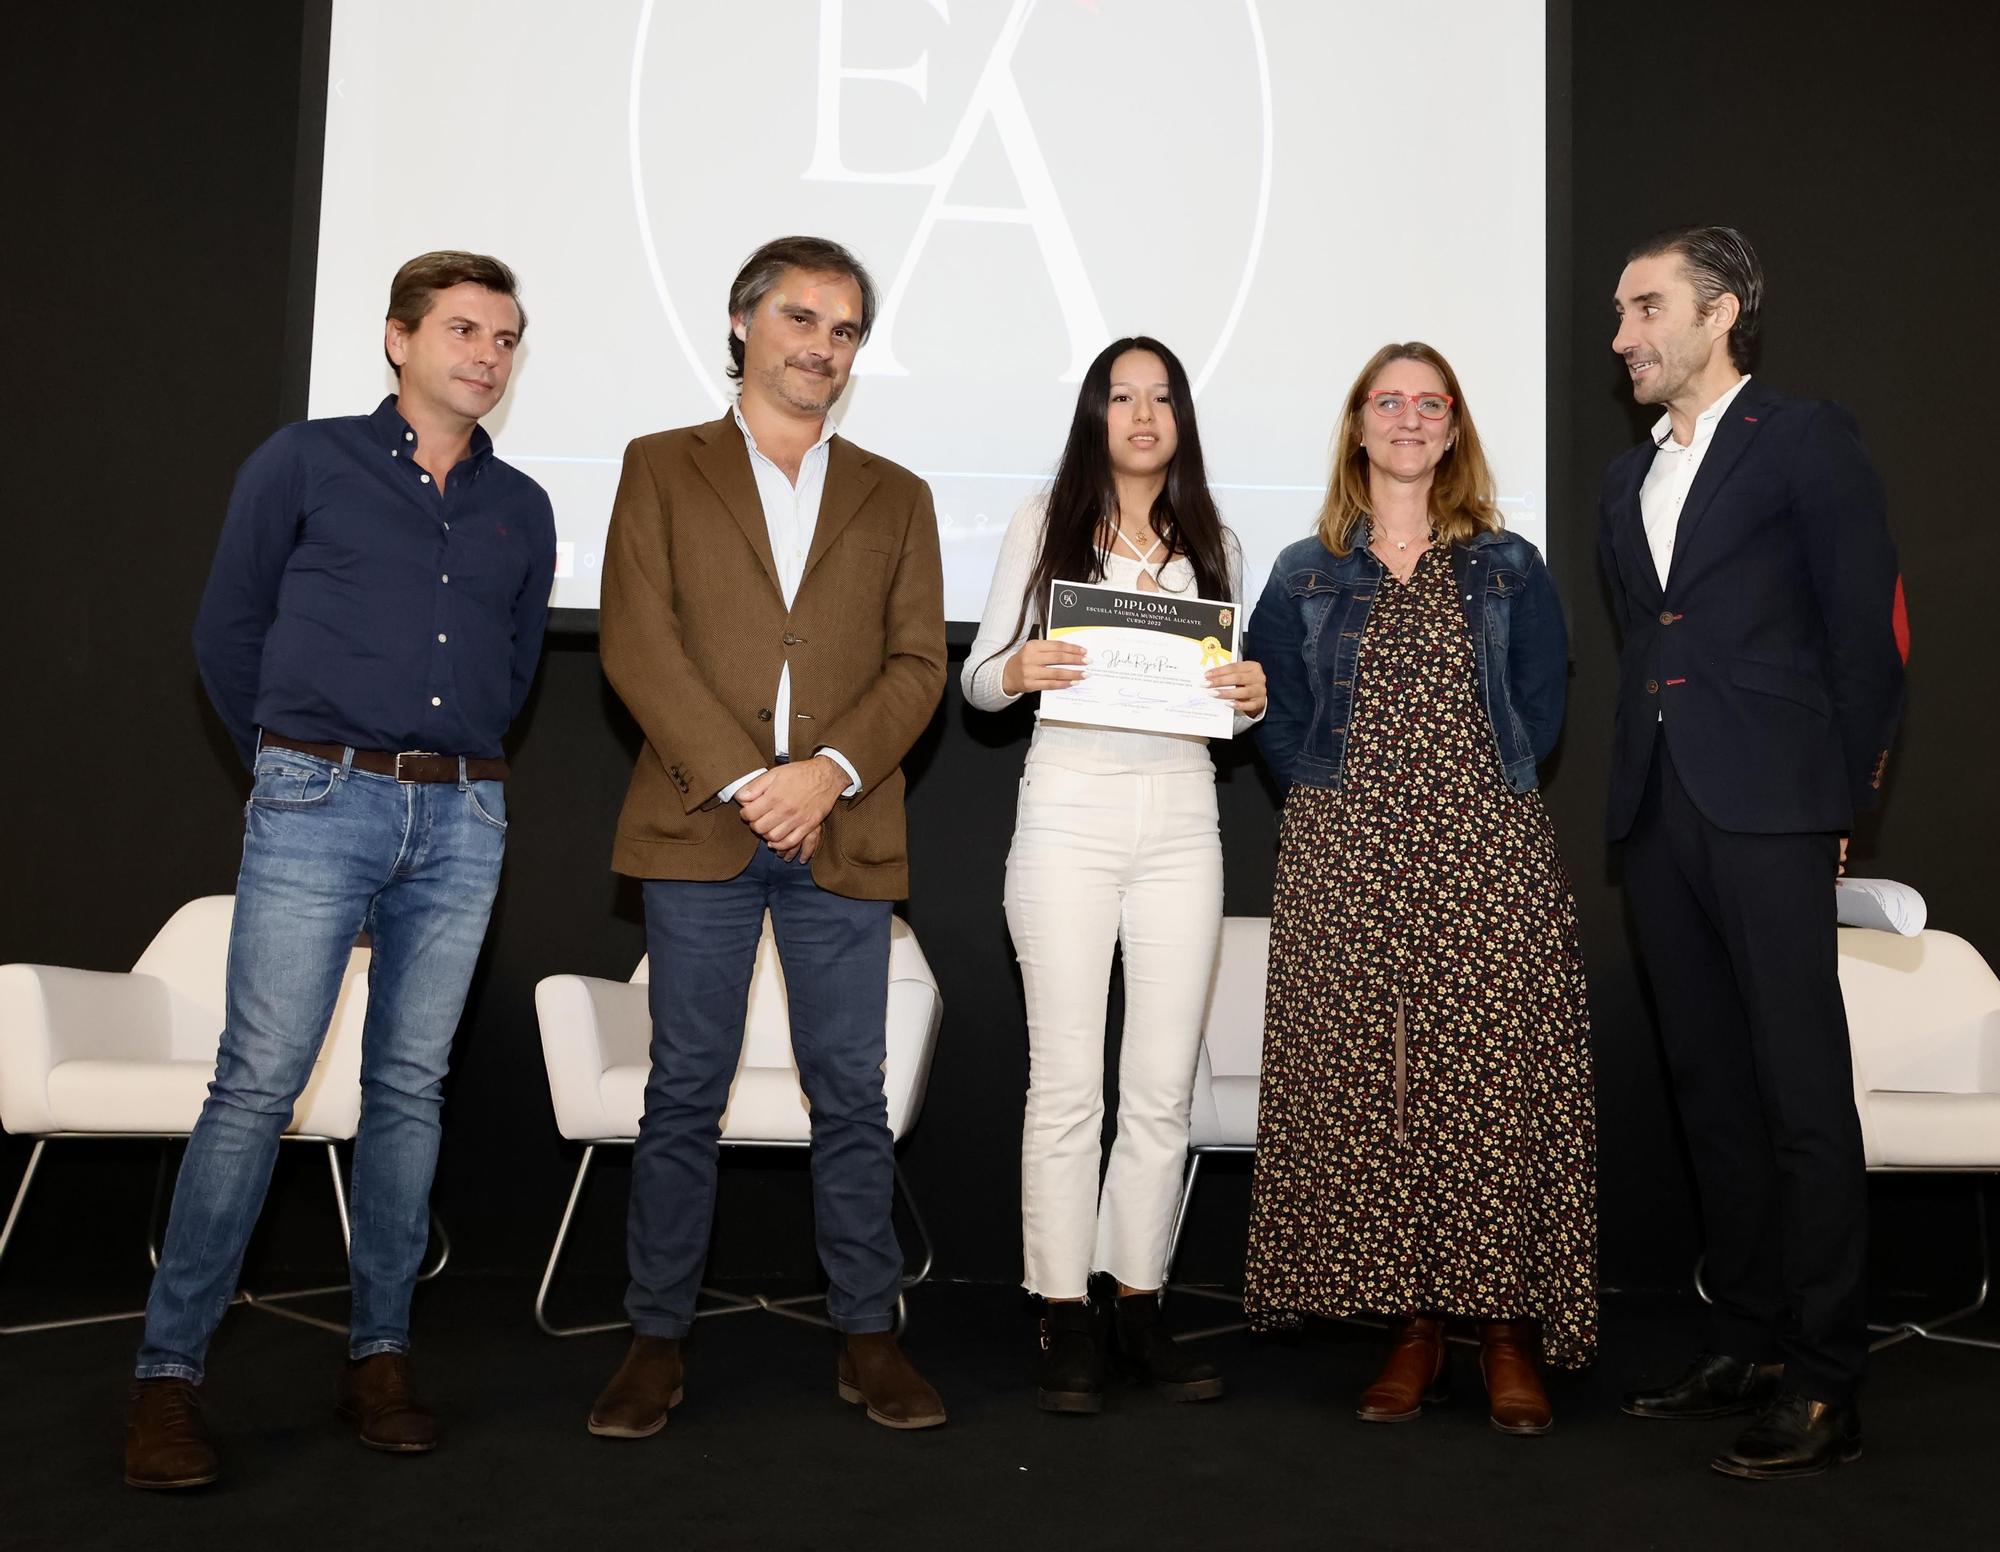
pixel 166 1440
pixel 1514 1391
pixel 377 1398
pixel 875 1372
pixel 1415 1374
pixel 647 1385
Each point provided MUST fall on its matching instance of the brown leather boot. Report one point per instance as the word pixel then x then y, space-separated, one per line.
pixel 376 1396
pixel 166 1440
pixel 647 1385
pixel 874 1372
pixel 1514 1391
pixel 1415 1374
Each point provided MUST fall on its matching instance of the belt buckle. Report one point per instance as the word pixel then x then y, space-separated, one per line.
pixel 412 754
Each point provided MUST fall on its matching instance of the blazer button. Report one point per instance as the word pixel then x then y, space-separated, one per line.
pixel 1666 616
pixel 791 640
pixel 1652 687
pixel 763 714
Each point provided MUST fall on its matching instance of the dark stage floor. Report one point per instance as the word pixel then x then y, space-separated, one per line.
pixel 763 1455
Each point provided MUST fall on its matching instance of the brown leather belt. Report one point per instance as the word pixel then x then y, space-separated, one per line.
pixel 410 765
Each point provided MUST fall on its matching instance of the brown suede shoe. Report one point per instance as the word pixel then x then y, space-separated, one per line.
pixel 377 1398
pixel 166 1440
pixel 874 1372
pixel 1415 1374
pixel 648 1383
pixel 1514 1391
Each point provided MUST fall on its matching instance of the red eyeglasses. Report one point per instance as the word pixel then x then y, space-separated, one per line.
pixel 1390 402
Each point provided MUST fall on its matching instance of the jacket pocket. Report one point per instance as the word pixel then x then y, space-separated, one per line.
pixel 1788 684
pixel 872 832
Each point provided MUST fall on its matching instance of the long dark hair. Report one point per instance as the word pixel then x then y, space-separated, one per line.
pixel 1085 495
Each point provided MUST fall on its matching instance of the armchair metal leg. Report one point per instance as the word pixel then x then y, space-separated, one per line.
pixel 1173 1255
pixel 269 1303
pixel 6 1236
pixel 555 1256
pixel 1928 1329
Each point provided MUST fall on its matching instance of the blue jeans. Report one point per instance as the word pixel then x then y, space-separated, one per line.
pixel 835 951
pixel 328 852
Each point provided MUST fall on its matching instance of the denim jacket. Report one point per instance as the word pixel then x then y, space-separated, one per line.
pixel 1306 631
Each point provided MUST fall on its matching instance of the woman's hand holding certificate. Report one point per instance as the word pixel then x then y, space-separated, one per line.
pixel 1241 684
pixel 1042 665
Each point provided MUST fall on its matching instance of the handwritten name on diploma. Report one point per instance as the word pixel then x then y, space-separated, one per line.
pixel 1112 660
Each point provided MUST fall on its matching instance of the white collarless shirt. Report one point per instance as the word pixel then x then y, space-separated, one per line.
pixel 1665 489
pixel 791 517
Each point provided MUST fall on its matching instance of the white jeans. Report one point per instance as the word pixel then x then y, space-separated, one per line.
pixel 1098 860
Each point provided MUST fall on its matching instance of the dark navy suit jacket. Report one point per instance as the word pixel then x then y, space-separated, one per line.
pixel 1769 660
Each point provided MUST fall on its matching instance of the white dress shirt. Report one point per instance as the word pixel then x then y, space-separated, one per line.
pixel 1671 477
pixel 791 517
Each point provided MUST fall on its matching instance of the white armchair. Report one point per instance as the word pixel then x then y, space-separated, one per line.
pixel 1923 1017
pixel 597 1038
pixel 87 1053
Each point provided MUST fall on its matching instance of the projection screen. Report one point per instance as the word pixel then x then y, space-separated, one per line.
pixel 1274 189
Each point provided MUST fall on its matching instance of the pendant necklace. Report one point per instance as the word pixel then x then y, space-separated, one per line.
pixel 1145 556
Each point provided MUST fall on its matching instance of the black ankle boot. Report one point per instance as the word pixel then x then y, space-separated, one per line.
pixel 1070 1377
pixel 1148 1352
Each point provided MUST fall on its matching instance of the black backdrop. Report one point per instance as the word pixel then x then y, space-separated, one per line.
pixel 152 309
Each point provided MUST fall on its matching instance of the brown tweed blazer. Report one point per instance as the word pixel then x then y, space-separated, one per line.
pixel 693 630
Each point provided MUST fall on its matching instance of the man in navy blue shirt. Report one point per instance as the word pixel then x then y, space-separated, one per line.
pixel 370 628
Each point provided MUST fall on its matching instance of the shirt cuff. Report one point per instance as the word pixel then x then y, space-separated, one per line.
pixel 728 793
pixel 841 760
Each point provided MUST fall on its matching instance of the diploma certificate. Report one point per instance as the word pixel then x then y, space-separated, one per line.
pixel 1148 655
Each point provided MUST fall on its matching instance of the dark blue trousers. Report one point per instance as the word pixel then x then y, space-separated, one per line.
pixel 1741 944
pixel 702 939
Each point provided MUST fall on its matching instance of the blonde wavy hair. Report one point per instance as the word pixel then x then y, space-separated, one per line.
pixel 1462 492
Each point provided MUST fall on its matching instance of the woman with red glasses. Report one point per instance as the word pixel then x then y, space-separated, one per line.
pixel 1425 1144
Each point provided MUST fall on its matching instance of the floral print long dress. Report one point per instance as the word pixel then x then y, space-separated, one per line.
pixel 1426 1126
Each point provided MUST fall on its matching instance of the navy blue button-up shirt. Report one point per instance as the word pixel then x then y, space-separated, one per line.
pixel 352 602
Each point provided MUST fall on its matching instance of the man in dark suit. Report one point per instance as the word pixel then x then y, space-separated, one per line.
pixel 1759 685
pixel 773 617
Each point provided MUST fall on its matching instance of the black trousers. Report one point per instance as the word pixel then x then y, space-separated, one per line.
pixel 1738 935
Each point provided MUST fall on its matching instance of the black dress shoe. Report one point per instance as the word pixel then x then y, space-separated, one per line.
pixel 1794 1438
pixel 1714 1386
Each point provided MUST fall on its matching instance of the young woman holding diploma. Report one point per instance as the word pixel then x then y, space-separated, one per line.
pixel 1115 844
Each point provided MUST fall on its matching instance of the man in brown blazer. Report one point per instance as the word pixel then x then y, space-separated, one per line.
pixel 773 617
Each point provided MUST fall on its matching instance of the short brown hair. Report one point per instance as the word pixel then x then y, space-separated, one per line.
pixel 411 293
pixel 1462 499
pixel 761 270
